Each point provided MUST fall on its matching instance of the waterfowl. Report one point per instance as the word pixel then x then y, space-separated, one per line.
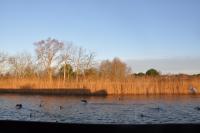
pixel 19 106
pixel 197 108
pixel 61 107
pixel 141 115
pixel 158 108
pixel 30 115
pixel 192 90
pixel 84 101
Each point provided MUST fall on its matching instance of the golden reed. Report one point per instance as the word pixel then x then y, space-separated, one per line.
pixel 133 86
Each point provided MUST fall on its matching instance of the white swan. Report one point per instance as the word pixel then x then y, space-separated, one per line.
pixel 192 90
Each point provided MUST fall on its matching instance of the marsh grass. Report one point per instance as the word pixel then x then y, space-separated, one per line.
pixel 133 86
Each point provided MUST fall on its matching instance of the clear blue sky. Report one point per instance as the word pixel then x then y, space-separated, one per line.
pixel 130 29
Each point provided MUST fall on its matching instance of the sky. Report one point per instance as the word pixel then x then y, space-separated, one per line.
pixel 167 65
pixel 133 30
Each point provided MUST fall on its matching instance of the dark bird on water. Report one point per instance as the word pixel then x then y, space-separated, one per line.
pixel 197 108
pixel 142 115
pixel 84 101
pixel 61 107
pixel 157 108
pixel 19 106
pixel 40 105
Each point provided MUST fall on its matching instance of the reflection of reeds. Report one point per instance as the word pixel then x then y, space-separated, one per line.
pixel 136 85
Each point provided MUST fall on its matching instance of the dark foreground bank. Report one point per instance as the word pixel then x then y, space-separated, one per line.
pixel 72 92
pixel 21 126
pixel 63 91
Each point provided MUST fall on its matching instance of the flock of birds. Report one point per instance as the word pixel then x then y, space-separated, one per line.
pixel 84 101
pixel 19 106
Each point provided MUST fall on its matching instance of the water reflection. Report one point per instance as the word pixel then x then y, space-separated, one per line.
pixel 102 110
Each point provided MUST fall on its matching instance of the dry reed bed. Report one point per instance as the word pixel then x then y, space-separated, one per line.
pixel 133 86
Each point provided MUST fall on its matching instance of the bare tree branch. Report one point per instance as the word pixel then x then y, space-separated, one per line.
pixel 22 64
pixel 66 57
pixel 47 53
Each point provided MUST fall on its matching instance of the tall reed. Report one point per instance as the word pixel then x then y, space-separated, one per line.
pixel 132 86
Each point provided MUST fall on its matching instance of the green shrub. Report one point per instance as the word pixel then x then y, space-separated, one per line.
pixel 152 72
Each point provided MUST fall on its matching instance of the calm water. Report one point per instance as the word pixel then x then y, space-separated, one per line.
pixel 102 110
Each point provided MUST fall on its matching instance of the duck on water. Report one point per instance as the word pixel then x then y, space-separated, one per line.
pixel 84 101
pixel 18 106
pixel 197 108
pixel 61 107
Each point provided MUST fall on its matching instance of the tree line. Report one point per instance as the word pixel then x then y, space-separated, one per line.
pixel 57 59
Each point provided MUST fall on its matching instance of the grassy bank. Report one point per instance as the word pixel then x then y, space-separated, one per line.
pixel 133 86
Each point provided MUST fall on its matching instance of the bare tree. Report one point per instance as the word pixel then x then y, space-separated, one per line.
pixel 114 70
pixel 78 58
pixel 66 58
pixel 3 58
pixel 89 61
pixel 22 65
pixel 119 69
pixel 105 69
pixel 78 61
pixel 47 53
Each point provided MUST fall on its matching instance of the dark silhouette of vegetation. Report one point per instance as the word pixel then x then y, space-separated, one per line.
pixel 140 74
pixel 152 72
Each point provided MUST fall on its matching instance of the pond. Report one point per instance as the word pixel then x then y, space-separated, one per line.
pixel 101 110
